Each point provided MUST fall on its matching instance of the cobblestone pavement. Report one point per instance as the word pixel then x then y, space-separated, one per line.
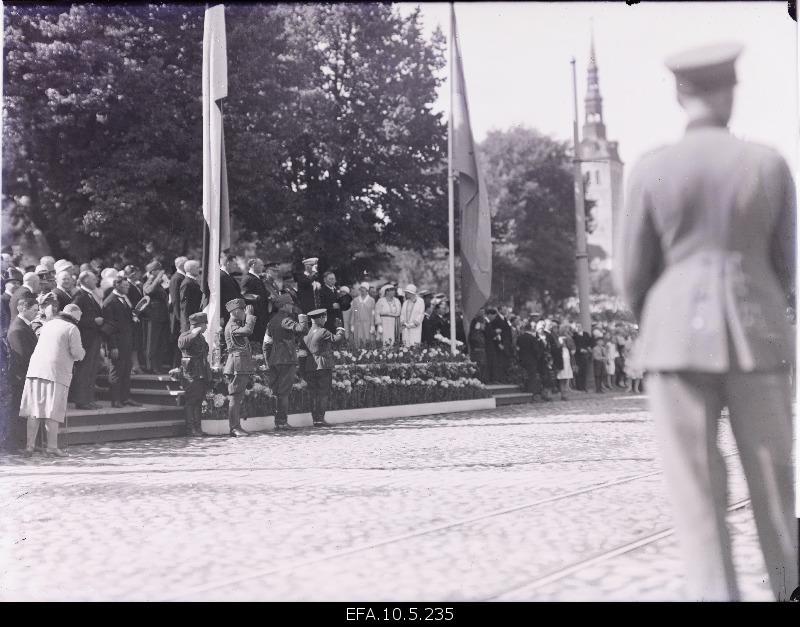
pixel 527 502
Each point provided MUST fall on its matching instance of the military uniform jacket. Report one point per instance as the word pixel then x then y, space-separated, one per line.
pixel 706 254
pixel 306 297
pixel 194 352
pixel 237 341
pixel 320 344
pixel 281 334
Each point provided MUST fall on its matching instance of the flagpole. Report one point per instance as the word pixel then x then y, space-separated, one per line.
pixel 451 235
pixel 581 257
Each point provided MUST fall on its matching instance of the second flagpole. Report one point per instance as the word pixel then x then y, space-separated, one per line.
pixel 450 183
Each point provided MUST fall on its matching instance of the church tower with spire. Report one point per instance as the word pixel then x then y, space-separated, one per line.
pixel 602 171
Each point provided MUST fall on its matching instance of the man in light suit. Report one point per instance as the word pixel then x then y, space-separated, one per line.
pixel 706 262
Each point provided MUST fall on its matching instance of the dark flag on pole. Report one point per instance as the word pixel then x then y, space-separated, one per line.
pixel 216 213
pixel 475 234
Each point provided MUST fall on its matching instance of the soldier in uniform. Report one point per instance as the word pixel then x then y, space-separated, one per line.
pixel 240 365
pixel 273 283
pixel 280 353
pixel 707 264
pixel 319 365
pixel 196 370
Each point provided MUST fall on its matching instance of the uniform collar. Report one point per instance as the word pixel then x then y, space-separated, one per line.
pixel 707 122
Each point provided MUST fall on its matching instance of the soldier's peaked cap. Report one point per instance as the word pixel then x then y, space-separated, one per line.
pixel 706 68
pixel 236 303
pixel 196 319
pixel 272 264
pixel 316 313
pixel 310 261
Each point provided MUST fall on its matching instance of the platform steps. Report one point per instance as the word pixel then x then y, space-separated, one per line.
pixel 509 394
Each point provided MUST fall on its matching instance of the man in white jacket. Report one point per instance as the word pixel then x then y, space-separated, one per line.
pixel 411 316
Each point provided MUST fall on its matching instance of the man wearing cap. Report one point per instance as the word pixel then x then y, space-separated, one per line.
pixel 44 397
pixel 273 284
pixel 45 278
pixel 362 321
pixel 706 262
pixel 190 295
pixel 90 323
pixel 498 346
pixel 195 368
pixel 31 286
pixel 319 366
pixel 119 326
pixel 175 306
pixel 308 285
pixel 253 284
pixel 411 315
pixel 387 316
pixel 280 354
pixel 156 319
pixel 240 365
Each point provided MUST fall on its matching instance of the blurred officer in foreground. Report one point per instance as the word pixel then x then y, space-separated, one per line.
pixel 320 362
pixel 196 371
pixel 240 365
pixel 707 264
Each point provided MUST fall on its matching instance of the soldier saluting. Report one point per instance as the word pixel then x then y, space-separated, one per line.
pixel 280 353
pixel 196 370
pixel 240 365
pixel 319 365
pixel 707 265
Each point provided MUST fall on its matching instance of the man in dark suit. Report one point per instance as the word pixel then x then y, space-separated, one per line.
pixel 274 286
pixel 329 299
pixel 21 342
pixel 83 382
pixel 498 347
pixel 583 356
pixel 706 262
pixel 65 285
pixel 156 318
pixel 228 286
pixel 118 327
pixel 529 353
pixel 11 283
pixel 135 294
pixel 308 285
pixel 191 294
pixel 253 284
pixel 175 307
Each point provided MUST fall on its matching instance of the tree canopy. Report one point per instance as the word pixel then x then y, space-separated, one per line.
pixel 333 144
pixel 530 184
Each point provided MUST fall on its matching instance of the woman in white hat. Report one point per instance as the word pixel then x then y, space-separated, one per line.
pixel 411 316
pixel 387 315
pixel 44 397
pixel 362 322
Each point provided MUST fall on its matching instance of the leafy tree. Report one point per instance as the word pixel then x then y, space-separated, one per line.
pixel 332 145
pixel 530 184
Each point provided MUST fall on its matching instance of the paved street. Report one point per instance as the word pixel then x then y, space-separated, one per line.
pixel 556 501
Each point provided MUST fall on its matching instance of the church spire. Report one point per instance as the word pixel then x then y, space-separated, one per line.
pixel 593 104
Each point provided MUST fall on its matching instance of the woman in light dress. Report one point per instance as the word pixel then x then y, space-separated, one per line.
pixel 44 397
pixel 387 316
pixel 362 321
pixel 411 314
pixel 565 374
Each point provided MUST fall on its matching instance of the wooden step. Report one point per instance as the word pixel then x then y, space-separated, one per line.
pixel 167 398
pixel 513 398
pixel 502 388
pixel 145 382
pixel 129 423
